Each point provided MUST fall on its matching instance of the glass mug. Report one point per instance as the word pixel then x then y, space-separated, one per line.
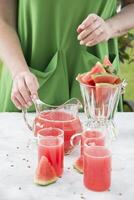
pixel 97 167
pixel 51 145
pixel 64 117
pixel 97 136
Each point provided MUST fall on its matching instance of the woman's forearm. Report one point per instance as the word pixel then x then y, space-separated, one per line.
pixel 122 22
pixel 10 49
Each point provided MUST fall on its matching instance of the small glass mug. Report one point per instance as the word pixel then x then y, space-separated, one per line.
pixel 51 145
pixel 96 136
pixel 97 167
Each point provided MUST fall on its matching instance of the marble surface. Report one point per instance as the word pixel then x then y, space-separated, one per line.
pixel 18 159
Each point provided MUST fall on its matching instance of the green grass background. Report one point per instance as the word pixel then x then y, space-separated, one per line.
pixel 127 72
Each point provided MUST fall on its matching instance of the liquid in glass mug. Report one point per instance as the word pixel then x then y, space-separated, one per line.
pixel 97 167
pixel 95 135
pixel 51 145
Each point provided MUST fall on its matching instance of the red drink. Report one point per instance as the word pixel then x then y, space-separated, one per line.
pixel 51 145
pixel 94 136
pixel 62 120
pixel 97 168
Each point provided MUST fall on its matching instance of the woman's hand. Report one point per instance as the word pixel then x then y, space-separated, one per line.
pixel 25 85
pixel 93 30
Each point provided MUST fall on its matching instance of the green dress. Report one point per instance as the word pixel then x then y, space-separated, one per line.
pixel 47 31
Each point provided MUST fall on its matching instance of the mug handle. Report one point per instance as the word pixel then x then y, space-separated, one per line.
pixel 73 137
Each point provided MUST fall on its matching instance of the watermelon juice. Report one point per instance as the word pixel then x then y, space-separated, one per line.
pixel 59 119
pixel 94 136
pixel 51 145
pixel 97 168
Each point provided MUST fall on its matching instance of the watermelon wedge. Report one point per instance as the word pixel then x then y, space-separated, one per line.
pixel 78 165
pixel 104 78
pixel 45 173
pixel 86 77
pixel 106 62
pixel 98 68
pixel 108 66
pixel 104 94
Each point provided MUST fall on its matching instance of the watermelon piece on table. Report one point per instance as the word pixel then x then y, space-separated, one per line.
pixel 78 165
pixel 45 173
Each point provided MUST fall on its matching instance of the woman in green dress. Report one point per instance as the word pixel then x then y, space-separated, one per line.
pixel 44 44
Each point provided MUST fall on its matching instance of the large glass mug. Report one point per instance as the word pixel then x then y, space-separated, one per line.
pixel 101 101
pixel 64 117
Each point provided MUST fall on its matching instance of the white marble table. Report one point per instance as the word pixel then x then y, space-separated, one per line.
pixel 18 163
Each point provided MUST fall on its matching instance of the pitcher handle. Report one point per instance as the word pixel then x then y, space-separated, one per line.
pixel 73 137
pixel 24 111
pixel 37 103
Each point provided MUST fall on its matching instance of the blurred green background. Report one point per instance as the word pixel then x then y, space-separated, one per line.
pixel 126 50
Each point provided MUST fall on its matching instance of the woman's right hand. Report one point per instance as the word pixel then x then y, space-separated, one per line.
pixel 25 85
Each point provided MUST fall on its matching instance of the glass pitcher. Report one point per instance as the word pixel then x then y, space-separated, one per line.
pixel 100 103
pixel 64 117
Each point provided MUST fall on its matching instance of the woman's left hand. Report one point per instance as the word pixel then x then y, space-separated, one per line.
pixel 93 30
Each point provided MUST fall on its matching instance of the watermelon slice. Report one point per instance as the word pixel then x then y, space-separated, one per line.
pixel 86 77
pixel 98 68
pixel 104 94
pixel 104 78
pixel 108 66
pixel 45 173
pixel 106 62
pixel 78 165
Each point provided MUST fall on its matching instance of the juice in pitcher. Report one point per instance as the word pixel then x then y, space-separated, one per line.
pixel 60 119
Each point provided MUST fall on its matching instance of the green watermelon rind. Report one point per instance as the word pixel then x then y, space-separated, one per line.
pixel 45 183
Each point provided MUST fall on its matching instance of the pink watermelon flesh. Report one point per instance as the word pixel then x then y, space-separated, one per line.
pixel 45 173
pixel 87 79
pixel 104 93
pixel 104 78
pixel 98 68
pixel 78 165
pixel 106 62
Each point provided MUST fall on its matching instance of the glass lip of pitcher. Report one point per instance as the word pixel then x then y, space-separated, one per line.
pixel 52 108
pixel 56 121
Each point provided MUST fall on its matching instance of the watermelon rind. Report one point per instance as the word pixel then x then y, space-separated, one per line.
pixel 104 78
pixel 106 85
pixel 78 165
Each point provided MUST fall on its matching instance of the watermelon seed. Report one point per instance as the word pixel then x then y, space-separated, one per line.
pixel 28 166
pixel 7 155
pixel 82 197
pixel 19 188
pixel 17 147
pixel 27 160
pixel 11 165
pixel 24 159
